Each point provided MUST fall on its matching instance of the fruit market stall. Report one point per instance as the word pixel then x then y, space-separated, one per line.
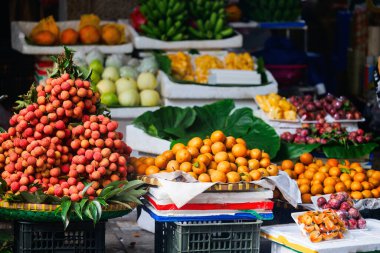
pixel 64 165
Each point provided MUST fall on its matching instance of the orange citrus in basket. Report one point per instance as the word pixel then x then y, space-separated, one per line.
pixel 316 189
pixel 217 136
pixel 332 162
pixel 218 176
pixel 204 177
pixel 328 189
pixel 287 165
pixel 233 177
pixel 253 164
pixel 360 177
pixel 356 186
pixel 221 156
pixel 299 168
pixel 230 142
pixel 255 154
pixel 224 167
pixel 195 142
pixel 255 175
pixel 329 181
pixel 239 150
pixel 306 158
pixel 177 147
pixel 356 195
pixel 152 169
pixel 334 171
pixel 218 147
pixel 340 187
pixel 186 167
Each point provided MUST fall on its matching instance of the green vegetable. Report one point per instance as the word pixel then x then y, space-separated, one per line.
pixel 294 150
pixel 350 151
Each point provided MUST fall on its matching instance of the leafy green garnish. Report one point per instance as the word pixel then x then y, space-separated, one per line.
pixel 349 151
pixel 27 99
pixel 164 63
pixel 294 150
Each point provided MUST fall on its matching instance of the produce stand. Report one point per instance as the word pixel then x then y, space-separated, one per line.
pixel 288 238
pixel 20 30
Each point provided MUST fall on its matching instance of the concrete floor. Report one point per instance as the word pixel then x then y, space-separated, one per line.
pixel 124 235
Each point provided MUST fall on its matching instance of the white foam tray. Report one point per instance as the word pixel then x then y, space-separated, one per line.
pixel 130 112
pixel 21 29
pixel 172 90
pixel 143 42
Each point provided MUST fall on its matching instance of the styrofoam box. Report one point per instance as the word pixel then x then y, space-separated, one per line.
pixel 172 90
pixel 143 42
pixel 125 115
pixel 21 29
pixel 139 141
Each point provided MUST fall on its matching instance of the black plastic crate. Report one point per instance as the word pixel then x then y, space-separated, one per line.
pixel 207 237
pixel 50 237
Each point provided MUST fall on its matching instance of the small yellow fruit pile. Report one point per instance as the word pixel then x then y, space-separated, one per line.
pixel 277 107
pixel 314 177
pixel 215 159
pixel 183 69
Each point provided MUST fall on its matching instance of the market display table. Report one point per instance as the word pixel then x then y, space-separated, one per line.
pixel 288 238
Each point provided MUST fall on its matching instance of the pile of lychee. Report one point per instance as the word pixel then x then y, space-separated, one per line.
pixel 58 143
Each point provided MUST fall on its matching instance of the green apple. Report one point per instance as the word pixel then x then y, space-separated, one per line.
pixel 125 83
pixel 129 97
pixel 97 66
pixel 106 86
pixel 95 77
pixel 109 99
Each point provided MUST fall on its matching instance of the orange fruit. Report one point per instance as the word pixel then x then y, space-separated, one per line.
pixel 233 166
pixel 287 165
pixel 186 167
pixel 218 176
pixel 367 186
pixel 194 152
pixel 299 168
pixel 316 189
pixel 320 176
pixel 168 154
pixel 356 186
pixel 69 37
pixel 356 195
pixel 334 171
pixel 224 167
pixel 264 162
pixel 255 175
pixel 306 158
pixel 255 154
pixel 245 177
pixel 241 141
pixel 242 169
pixel 264 155
pixel 183 155
pixel 199 167
pixel 328 189
pixel 290 173
pixel 205 149
pixel 221 156
pixel 141 169
pixel 241 161
pixel 218 147
pixel 370 173
pixel 177 146
pixel 44 38
pixel 231 157
pixel 360 177
pixel 359 169
pixel 313 166
pixel 319 162
pixel 212 165
pixel 217 136
pixel 375 193
pixel 367 194
pixel 253 164
pixel 376 175
pixel 272 170
pixel 303 181
pixel 324 169
pixel 172 165
pixel 329 181
pixel 230 142
pixel 355 164
pixel 352 173
pixel 344 177
pixel 204 177
pixel 195 142
pixel 304 188
pixel 302 175
pixel 306 198
pixel 161 161
pixel 340 187
pixel 347 183
pixel 207 142
pixel 204 159
pixel 233 177
pixel 374 181
pixel 309 174
pixel 111 35
pixel 152 169
pixel 332 162
pixel 239 150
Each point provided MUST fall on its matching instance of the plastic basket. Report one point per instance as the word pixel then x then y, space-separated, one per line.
pixel 207 237
pixel 50 237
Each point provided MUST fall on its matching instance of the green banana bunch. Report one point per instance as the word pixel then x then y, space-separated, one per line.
pixel 203 9
pixel 166 19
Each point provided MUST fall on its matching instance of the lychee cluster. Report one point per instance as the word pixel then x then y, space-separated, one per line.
pixel 43 148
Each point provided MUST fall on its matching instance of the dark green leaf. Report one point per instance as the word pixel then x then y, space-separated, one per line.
pixel 351 151
pixel 78 210
pixel 168 122
pixel 29 197
pixel 164 63
pixel 87 211
pixel 2 130
pixel 293 150
pixel 82 203
pixel 3 186
pixel 132 185
pixel 239 122
pixel 65 207
pixel 98 207
pixel 94 212
pixel 193 51
pixel 102 202
pixel 261 70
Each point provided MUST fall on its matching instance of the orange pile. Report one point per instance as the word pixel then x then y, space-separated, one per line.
pixel 215 159
pixel 314 177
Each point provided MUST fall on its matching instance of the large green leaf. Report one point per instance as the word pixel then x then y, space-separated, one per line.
pixel 167 122
pixel 351 151
pixel 293 150
pixel 262 136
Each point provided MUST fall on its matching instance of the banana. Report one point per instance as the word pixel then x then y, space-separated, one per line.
pixel 169 22
pixel 161 26
pixel 218 26
pixel 179 36
pixel 213 19
pixel 227 32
